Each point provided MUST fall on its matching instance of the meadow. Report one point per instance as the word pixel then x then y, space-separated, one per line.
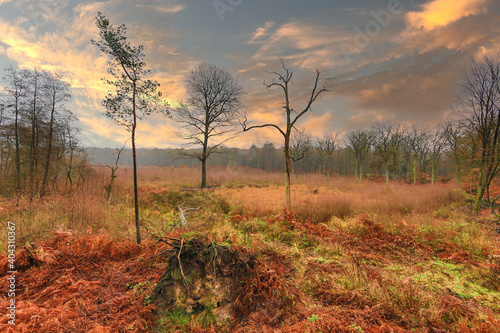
pixel 351 256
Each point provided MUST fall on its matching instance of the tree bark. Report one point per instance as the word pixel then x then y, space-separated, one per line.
pixel 49 149
pixel 18 155
pixel 480 194
pixel 386 173
pixel 287 172
pixel 134 158
pixel 414 170
pixel 204 159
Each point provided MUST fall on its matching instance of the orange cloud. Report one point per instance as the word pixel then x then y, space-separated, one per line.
pixel 317 125
pixel 440 13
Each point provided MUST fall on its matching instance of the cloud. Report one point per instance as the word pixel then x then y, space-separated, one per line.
pixel 162 8
pixel 300 44
pixel 261 32
pixel 439 13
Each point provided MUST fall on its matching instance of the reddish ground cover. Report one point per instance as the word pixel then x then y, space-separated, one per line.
pixel 85 284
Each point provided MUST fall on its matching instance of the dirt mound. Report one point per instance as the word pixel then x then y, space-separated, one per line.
pixel 201 277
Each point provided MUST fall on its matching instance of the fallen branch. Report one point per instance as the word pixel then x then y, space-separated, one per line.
pixel 182 216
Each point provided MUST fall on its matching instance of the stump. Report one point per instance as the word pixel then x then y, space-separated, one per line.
pixel 202 276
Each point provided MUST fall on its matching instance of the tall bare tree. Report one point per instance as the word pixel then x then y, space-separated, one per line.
pixel 283 80
pixel 16 90
pixel 55 93
pixel 480 102
pixel 212 112
pixel 135 96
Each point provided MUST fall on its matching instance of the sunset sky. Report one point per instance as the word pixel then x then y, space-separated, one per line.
pixel 389 60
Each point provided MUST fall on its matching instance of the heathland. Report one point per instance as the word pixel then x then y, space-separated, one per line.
pixel 350 256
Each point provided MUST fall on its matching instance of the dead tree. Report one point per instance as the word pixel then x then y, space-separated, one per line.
pixel 284 79
pixel 112 176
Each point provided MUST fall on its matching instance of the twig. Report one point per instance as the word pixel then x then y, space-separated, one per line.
pixel 182 216
pixel 186 282
pixel 163 252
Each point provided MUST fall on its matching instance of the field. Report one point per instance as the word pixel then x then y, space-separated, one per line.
pixel 349 257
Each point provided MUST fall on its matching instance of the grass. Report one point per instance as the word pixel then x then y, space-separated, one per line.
pixel 350 256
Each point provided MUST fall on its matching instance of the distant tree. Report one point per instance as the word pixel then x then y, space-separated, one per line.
pixel 388 138
pixel 327 145
pixel 134 95
pixel 300 144
pixel 453 132
pixel 437 143
pixel 417 141
pixel 359 143
pixel 55 94
pixel 213 110
pixel 480 102
pixel 284 79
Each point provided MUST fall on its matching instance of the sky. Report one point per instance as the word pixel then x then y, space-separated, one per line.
pixel 385 60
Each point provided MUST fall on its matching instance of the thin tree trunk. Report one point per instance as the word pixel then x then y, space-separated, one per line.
pixel 433 168
pixel 49 149
pixel 204 173
pixel 287 172
pixel 414 170
pixel 204 160
pixel 386 173
pixel 18 155
pixel 480 192
pixel 134 158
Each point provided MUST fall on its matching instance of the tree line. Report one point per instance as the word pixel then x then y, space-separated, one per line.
pixel 359 154
pixel 39 148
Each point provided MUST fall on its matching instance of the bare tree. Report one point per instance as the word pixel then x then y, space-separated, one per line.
pixel 388 138
pixel 453 134
pixel 480 102
pixel 112 176
pixel 55 93
pixel 417 140
pixel 16 90
pixel 212 111
pixel 300 144
pixel 284 79
pixel 134 93
pixel 327 145
pixel 437 143
pixel 359 143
